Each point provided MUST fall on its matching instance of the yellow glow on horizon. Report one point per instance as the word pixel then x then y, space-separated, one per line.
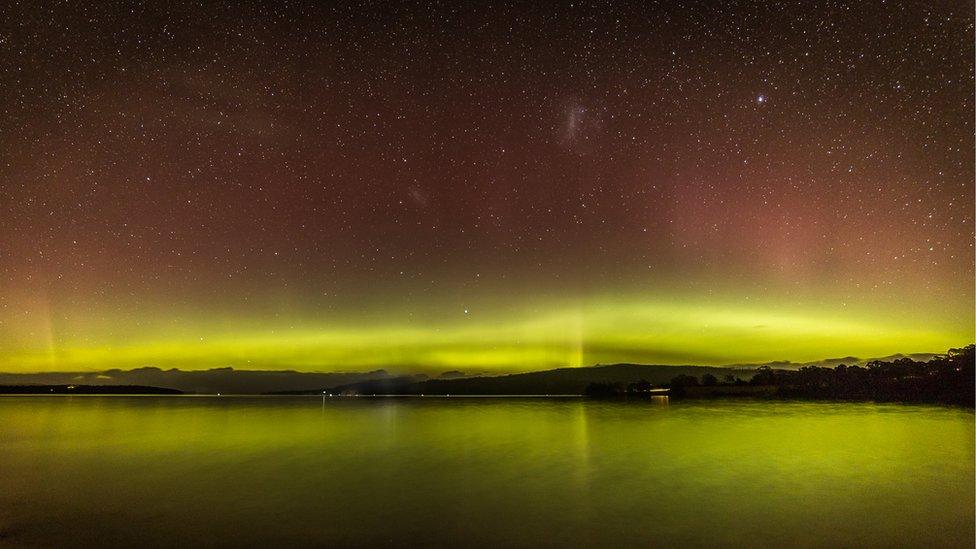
pixel 568 334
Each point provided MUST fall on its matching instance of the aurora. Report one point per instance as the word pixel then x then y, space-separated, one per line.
pixel 487 274
pixel 358 190
pixel 607 330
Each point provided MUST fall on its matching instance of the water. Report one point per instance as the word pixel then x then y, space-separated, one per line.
pixel 162 471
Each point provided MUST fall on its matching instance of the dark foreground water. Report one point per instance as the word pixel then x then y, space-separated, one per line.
pixel 166 471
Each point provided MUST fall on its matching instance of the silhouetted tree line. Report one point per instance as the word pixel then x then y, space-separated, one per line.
pixel 949 378
pixel 611 389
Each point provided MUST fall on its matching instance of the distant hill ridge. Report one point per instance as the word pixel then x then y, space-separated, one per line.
pixel 834 362
pixel 560 381
pixel 555 381
pixel 216 380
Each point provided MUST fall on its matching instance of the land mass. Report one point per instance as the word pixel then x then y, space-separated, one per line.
pixel 947 378
pixel 86 390
pixel 559 381
pixel 924 377
pixel 213 381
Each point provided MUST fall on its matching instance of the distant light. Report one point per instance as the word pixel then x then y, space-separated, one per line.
pixel 761 99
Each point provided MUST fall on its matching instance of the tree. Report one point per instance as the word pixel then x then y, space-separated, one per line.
pixel 603 390
pixel 641 386
pixel 764 376
pixel 684 380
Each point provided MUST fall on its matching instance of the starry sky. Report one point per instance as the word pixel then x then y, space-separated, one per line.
pixel 493 187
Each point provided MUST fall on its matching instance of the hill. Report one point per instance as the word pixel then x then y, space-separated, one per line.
pixel 560 381
pixel 833 362
pixel 216 380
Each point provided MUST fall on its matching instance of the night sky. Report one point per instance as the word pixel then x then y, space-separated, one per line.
pixel 505 187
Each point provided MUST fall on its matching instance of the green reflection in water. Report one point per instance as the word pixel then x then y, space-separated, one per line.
pixel 178 470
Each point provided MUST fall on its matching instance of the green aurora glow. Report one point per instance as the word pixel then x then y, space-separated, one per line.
pixel 556 334
pixel 424 188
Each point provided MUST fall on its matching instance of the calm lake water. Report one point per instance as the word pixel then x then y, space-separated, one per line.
pixel 163 471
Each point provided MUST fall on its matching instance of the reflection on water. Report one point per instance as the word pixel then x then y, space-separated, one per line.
pixel 263 470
